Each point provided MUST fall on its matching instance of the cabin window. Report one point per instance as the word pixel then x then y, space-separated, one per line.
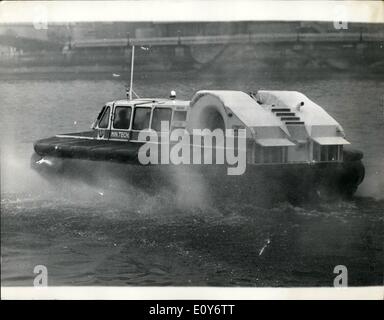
pixel 122 118
pixel 273 154
pixel 104 121
pixel 323 153
pixel 333 153
pixel 326 152
pixel 159 115
pixel 258 154
pixel 316 151
pixel 180 116
pixel 141 118
pixel 101 113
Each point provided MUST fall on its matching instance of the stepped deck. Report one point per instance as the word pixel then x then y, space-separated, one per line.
pixel 285 114
pixel 290 118
pixel 281 110
pixel 294 122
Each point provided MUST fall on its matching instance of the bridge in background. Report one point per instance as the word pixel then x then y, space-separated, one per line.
pixel 204 49
pixel 339 37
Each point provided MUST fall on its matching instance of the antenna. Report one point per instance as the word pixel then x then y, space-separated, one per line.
pixel 132 64
pixel 131 91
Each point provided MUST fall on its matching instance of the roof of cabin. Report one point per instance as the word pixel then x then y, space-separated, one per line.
pixel 243 106
pixel 151 101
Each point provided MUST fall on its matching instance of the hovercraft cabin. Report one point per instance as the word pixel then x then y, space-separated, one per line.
pixel 281 126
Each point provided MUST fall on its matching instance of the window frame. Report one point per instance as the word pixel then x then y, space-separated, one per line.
pixel 271 153
pixel 134 132
pixel 107 108
pixel 130 120
pixel 161 108
pixel 319 150
pixel 333 149
pixel 133 118
pixel 179 111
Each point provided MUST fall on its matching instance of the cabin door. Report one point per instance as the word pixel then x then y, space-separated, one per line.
pixel 121 123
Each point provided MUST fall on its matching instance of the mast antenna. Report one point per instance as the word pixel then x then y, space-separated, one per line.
pixel 131 91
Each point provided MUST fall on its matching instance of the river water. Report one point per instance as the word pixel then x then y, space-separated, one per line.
pixel 96 235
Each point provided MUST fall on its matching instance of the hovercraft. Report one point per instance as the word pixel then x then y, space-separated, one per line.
pixel 293 146
pixel 263 146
